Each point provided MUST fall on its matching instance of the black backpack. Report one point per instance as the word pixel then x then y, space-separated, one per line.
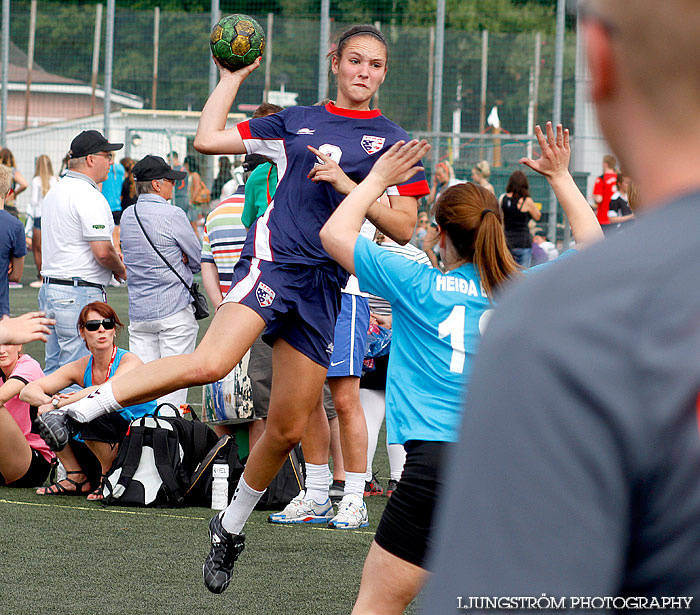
pixel 156 460
pixel 224 451
pixel 290 480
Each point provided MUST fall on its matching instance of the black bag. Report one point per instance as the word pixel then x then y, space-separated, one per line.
pixel 226 451
pixel 201 307
pixel 156 459
pixel 290 480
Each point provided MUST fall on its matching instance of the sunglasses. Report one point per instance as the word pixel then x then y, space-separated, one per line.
pixel 94 325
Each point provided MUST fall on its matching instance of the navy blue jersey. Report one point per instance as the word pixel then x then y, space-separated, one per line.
pixel 288 231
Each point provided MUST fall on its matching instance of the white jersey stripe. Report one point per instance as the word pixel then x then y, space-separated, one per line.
pixel 352 336
pixel 243 288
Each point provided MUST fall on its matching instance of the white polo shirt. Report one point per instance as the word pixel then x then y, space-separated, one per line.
pixel 73 214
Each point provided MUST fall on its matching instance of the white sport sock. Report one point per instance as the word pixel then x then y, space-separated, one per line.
pixel 374 406
pixel 237 512
pixel 397 457
pixel 96 404
pixel 317 481
pixel 354 484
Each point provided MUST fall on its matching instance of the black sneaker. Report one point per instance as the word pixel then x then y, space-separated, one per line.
pixel 372 487
pixel 336 491
pixel 56 428
pixel 225 549
pixel 391 487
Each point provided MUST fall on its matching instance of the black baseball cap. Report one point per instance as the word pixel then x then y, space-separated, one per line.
pixel 154 167
pixel 91 142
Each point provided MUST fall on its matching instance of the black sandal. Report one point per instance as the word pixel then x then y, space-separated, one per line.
pixel 58 489
pixel 97 495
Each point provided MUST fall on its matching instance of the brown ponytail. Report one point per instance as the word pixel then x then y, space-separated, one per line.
pixel 471 217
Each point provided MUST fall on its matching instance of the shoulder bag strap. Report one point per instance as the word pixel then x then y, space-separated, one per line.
pixel 145 234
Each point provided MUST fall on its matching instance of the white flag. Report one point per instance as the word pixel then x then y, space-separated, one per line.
pixel 492 119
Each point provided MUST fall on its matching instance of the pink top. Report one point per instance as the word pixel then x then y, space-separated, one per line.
pixel 27 370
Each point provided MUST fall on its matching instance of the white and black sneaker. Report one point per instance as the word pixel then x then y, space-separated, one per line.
pixel 56 428
pixel 225 550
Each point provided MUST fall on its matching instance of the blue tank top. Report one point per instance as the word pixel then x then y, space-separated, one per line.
pixel 130 412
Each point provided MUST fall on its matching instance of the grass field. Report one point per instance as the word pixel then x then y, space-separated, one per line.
pixel 64 555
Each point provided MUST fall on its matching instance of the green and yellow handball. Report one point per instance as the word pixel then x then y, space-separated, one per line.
pixel 237 40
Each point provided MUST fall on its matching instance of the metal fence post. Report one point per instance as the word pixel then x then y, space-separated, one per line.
pixel 437 92
pixel 5 69
pixel 109 59
pixel 324 38
pixel 556 104
pixel 213 69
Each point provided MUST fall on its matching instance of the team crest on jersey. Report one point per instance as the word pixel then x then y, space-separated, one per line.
pixel 372 144
pixel 265 295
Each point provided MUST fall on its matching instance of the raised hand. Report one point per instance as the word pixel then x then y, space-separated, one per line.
pixel 241 73
pixel 329 171
pixel 555 152
pixel 398 164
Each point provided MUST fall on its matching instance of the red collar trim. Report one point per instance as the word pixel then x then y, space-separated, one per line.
pixel 359 115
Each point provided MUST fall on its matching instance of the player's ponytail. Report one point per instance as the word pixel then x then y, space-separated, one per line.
pixel 471 217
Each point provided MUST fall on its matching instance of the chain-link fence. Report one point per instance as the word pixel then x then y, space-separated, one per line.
pixel 161 66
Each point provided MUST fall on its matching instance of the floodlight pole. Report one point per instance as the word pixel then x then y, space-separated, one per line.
pixel 109 59
pixel 437 91
pixel 5 69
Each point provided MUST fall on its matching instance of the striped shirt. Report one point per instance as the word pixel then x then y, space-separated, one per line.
pixel 224 236
pixel 380 306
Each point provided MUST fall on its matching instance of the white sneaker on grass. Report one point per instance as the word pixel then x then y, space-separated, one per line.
pixel 352 514
pixel 303 510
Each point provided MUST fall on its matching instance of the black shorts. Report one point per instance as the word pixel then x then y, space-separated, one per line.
pixel 37 223
pixel 117 217
pixel 110 428
pixel 35 476
pixel 405 529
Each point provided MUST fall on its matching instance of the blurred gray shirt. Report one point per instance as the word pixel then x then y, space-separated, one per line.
pixel 155 292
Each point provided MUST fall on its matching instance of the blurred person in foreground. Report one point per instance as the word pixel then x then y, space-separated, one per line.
pixel 577 475
pixel 29 327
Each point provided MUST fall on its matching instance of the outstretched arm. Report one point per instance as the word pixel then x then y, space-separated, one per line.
pixel 30 327
pixel 396 166
pixel 554 165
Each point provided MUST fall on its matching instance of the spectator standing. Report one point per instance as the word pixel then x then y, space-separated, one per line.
pixel 198 193
pixel 481 172
pixel 540 238
pixel 181 191
pixel 518 209
pixel 13 246
pixel 603 189
pixel 42 182
pixel 112 190
pixel 128 195
pixel 223 177
pixel 619 203
pixel 78 257
pixel 161 315
pixel 18 185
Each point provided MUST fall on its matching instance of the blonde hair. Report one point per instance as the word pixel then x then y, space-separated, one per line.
pixel 483 168
pixel 44 170
pixel 471 217
pixel 5 180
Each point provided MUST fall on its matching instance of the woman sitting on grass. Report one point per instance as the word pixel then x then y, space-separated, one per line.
pixel 25 459
pixel 97 325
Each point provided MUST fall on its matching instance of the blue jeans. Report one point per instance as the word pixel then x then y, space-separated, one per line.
pixel 522 256
pixel 64 304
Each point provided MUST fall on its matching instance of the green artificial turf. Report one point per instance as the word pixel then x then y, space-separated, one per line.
pixel 67 556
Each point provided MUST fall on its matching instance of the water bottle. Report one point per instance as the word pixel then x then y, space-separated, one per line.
pixel 219 485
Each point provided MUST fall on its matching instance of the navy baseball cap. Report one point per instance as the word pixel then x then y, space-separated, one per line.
pixel 154 167
pixel 91 142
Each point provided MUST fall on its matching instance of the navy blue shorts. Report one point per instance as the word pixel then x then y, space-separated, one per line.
pixel 299 304
pixel 350 337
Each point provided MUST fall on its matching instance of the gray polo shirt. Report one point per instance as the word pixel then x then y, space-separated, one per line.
pixel 577 473
pixel 154 291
